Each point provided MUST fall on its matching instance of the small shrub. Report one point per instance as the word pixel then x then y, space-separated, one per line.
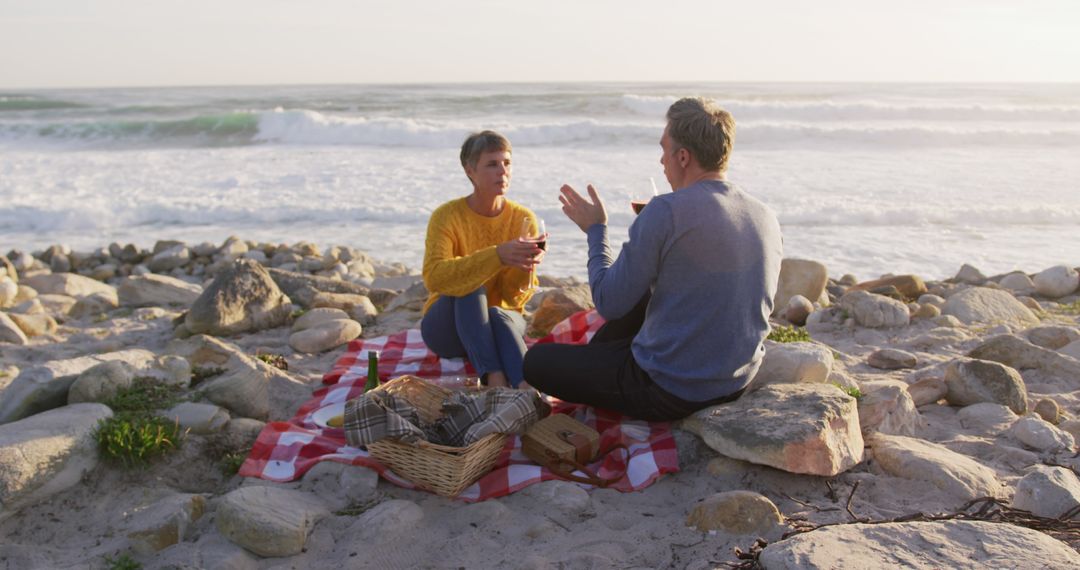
pixel 853 391
pixel 144 395
pixel 133 439
pixel 230 462
pixel 200 374
pixel 789 334
pixel 297 314
pixel 276 360
pixel 122 562
pixel 1069 308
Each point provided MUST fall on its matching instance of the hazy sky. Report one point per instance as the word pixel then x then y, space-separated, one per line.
pixel 54 43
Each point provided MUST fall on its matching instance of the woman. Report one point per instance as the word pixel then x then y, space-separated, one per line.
pixel 479 270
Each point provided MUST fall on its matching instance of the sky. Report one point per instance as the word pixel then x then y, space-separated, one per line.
pixel 108 43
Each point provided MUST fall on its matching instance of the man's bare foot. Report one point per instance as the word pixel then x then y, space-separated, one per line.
pixel 497 380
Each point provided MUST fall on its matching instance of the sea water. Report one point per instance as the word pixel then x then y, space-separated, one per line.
pixel 868 179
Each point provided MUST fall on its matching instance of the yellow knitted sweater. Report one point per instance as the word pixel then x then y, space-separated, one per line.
pixel 459 254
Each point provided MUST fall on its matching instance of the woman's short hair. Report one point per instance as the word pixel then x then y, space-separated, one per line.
pixel 479 143
pixel 702 127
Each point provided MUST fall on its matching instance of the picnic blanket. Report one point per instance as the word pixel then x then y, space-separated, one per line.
pixel 284 451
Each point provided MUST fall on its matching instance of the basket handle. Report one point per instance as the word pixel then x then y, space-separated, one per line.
pixel 590 477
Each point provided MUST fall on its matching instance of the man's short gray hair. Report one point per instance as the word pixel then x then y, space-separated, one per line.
pixel 479 143
pixel 702 127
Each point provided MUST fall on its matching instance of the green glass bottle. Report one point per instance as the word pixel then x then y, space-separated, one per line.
pixel 372 371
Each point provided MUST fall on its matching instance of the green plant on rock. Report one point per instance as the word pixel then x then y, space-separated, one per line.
pixel 230 462
pixel 133 439
pixel 276 360
pixel 122 562
pixel 789 334
pixel 853 391
pixel 1069 308
pixel 300 312
pixel 145 394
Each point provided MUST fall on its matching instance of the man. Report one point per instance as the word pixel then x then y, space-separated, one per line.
pixel 688 298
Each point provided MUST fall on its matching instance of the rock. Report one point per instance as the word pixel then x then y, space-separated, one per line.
pixel 909 286
pixel 563 497
pixel 30 307
pixel 34 325
pixel 1052 337
pixel 10 332
pixel 325 336
pixel 986 418
pixel 7 269
pixel 1072 349
pixel 69 284
pixel 165 523
pixel 240 433
pixel 1071 427
pixel 8 291
pixel 157 291
pixel 798 309
pixel 929 299
pixel 983 305
pixel 891 359
pixel 411 299
pixel 340 484
pixel 1048 410
pixel 558 304
pixel 970 275
pixel 926 312
pixel 972 381
pixel 101 382
pixel 45 386
pixel 875 311
pixel 800 428
pixel 793 363
pixel 1020 354
pixel 269 521
pixel 1056 281
pixel 93 305
pixel 57 304
pixel 242 298
pixel 927 391
pixel 249 387
pixel 168 259
pixel 920 546
pixel 197 417
pixel 947 321
pixel 359 307
pixel 1018 283
pixel 302 288
pixel 1041 435
pixel 918 460
pixel 318 316
pixel 887 407
pixel 1048 492
pixel 799 277
pixel 736 512
pixel 25 294
pixel 45 454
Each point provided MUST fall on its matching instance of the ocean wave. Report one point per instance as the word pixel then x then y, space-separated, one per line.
pixel 17 102
pixel 829 111
pixel 957 217
pixel 312 128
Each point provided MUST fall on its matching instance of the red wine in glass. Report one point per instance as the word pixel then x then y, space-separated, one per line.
pixel 639 205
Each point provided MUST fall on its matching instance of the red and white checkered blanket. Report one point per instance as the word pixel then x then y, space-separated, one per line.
pixel 284 451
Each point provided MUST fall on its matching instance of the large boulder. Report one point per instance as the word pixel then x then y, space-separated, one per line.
pixel 793 363
pixel 800 428
pixel 558 304
pixel 269 521
pixel 918 460
pixel 45 386
pixel 325 336
pixel 920 546
pixel 302 288
pixel 70 284
pixel 101 382
pixel 989 306
pixel 1048 492
pixel 1042 435
pixel 157 291
pixel 799 277
pixel 242 298
pixel 1056 281
pixel 1020 354
pixel 47 453
pixel 972 381
pixel 875 311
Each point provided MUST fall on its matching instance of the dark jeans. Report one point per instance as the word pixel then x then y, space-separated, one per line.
pixel 492 338
pixel 604 373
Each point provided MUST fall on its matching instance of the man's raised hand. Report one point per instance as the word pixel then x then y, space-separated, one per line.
pixel 581 211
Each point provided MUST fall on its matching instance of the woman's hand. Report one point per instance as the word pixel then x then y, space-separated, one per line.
pixel 521 253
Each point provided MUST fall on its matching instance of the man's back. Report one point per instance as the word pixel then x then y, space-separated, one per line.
pixel 712 254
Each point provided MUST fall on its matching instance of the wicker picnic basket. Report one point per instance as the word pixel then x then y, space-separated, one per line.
pixel 438 468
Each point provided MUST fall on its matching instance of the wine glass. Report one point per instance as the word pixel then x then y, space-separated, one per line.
pixel 638 204
pixel 541 241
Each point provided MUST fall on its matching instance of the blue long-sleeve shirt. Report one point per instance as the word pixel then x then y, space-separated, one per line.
pixel 711 255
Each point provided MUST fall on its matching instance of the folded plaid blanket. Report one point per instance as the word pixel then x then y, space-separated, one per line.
pixel 284 451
